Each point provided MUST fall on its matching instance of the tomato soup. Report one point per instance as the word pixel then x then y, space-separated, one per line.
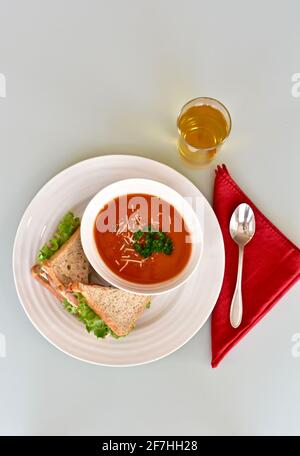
pixel 142 238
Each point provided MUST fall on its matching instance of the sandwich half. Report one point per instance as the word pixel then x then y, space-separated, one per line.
pixel 63 269
pixel 118 310
pixel 62 260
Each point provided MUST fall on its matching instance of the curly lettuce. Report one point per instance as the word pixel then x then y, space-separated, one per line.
pixel 67 226
pixel 91 320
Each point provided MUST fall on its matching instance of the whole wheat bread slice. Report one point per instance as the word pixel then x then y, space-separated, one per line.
pixel 69 264
pixel 117 308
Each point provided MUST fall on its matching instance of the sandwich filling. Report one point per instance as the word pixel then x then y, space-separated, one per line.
pixel 66 227
pixel 91 320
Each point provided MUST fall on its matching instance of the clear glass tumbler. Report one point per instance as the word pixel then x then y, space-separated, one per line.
pixel 203 125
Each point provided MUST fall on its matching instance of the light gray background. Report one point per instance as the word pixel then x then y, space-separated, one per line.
pixel 87 78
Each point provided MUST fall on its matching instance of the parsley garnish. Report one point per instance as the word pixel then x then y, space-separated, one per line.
pixel 150 241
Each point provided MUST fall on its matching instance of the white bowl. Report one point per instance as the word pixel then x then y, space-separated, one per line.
pixel 140 186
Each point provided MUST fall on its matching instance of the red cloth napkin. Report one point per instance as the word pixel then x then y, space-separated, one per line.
pixel 271 267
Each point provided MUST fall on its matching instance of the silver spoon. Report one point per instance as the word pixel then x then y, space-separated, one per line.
pixel 242 229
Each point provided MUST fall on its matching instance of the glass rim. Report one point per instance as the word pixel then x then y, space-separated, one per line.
pixel 208 99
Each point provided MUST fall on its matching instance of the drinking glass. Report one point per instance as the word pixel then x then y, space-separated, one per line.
pixel 203 124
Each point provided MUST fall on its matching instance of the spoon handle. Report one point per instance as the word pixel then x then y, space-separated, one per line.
pixel 236 308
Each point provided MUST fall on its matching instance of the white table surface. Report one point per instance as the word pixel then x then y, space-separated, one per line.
pixel 86 78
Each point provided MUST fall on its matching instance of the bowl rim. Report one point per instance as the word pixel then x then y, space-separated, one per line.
pixel 103 270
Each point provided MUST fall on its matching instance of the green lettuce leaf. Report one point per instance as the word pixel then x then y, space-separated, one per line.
pixel 91 320
pixel 67 226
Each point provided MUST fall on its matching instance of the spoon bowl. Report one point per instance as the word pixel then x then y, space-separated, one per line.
pixel 242 229
pixel 242 224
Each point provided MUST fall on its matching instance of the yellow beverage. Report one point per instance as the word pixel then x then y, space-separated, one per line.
pixel 203 126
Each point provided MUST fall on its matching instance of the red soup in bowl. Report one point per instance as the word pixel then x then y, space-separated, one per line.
pixel 142 238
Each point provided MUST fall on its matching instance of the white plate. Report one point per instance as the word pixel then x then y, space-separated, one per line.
pixel 172 319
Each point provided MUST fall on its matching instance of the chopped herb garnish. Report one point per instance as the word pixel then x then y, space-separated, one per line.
pixel 152 241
